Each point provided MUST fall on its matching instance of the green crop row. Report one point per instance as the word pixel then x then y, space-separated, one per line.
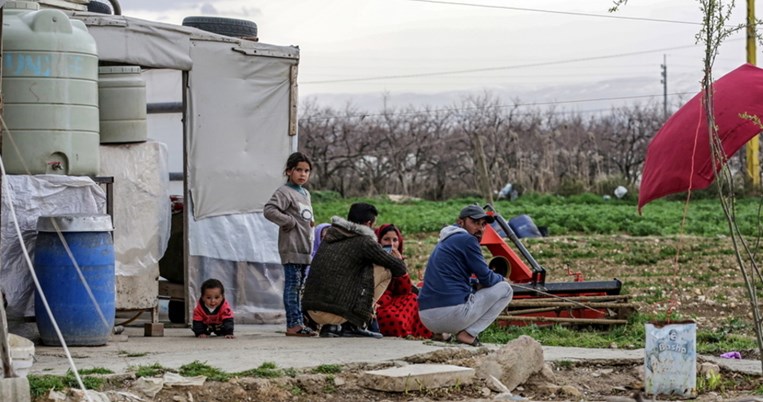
pixel 582 214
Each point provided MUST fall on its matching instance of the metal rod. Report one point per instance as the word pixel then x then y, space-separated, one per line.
pixel 577 298
pixel 576 305
pixel 603 321
pixel 514 239
pixel 534 310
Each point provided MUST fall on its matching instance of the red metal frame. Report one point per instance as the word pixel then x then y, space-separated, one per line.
pixel 520 273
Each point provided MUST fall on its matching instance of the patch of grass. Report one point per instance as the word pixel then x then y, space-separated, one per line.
pixel 564 364
pixel 291 372
pixel 629 336
pixel 152 370
pixel 330 387
pixel 709 383
pixel 128 354
pixel 296 391
pixel 265 370
pixel 39 385
pixel 197 368
pixel 328 369
pixel 95 370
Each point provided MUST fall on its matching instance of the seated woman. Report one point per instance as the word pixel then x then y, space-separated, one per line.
pixel 398 309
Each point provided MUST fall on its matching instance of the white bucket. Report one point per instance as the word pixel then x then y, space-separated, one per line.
pixel 670 361
pixel 22 354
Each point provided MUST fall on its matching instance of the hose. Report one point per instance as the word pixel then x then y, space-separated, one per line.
pixel 130 320
pixel 117 8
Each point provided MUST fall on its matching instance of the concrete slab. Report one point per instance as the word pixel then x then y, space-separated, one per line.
pixel 254 345
pixel 752 367
pixel 556 353
pixel 15 389
pixel 417 377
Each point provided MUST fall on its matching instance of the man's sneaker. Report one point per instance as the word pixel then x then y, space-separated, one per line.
pixel 330 331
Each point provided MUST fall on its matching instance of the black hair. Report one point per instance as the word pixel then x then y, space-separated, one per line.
pixel 212 284
pixel 361 212
pixel 294 160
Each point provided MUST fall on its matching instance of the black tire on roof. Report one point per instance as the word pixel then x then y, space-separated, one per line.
pixel 223 26
pixel 98 7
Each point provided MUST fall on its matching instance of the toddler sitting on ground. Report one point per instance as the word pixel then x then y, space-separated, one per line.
pixel 213 314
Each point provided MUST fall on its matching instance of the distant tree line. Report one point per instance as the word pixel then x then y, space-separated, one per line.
pixel 475 147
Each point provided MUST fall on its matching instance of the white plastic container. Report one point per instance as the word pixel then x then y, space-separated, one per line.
pixel 22 354
pixel 670 361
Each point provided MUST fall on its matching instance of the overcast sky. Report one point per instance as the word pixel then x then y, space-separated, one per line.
pixel 413 46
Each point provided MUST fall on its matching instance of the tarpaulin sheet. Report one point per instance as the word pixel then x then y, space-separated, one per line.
pixel 35 196
pixel 237 237
pixel 141 218
pixel 137 42
pixel 254 290
pixel 239 138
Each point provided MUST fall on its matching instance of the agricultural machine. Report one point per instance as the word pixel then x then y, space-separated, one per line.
pixel 536 301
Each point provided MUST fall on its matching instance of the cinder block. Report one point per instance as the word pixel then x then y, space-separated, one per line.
pixel 417 377
pixel 153 329
pixel 15 389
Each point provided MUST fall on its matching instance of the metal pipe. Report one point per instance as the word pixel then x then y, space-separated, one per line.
pixel 117 8
pixel 164 107
pixel 570 304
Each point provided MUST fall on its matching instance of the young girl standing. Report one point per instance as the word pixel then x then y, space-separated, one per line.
pixel 291 210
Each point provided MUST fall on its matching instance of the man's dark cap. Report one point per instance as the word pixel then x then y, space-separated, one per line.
pixel 476 213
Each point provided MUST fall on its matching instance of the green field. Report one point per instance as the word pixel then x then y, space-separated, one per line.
pixel 587 214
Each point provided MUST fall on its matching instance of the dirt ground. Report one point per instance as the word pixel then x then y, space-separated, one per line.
pixel 590 382
pixel 692 277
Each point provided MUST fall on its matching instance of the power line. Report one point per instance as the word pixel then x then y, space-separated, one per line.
pixel 537 10
pixel 463 109
pixel 511 67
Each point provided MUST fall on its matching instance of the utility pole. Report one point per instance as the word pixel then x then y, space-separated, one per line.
pixel 753 147
pixel 664 82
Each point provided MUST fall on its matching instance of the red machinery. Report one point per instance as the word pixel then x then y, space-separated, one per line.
pixel 544 303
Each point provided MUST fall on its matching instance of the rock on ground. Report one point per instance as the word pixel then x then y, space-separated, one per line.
pixel 514 363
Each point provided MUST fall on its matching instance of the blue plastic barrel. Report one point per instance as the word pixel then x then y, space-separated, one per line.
pixel 77 316
pixel 523 226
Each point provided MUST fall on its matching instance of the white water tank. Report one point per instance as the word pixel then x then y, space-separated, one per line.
pixel 122 101
pixel 50 92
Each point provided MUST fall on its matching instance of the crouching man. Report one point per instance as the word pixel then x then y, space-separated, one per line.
pixel 447 302
pixel 348 274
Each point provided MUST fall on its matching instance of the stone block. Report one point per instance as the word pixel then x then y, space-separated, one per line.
pixel 153 329
pixel 514 363
pixel 416 377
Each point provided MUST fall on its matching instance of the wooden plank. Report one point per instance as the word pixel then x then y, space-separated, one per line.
pixel 603 321
pixel 172 290
pixel 540 303
pixel 293 96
